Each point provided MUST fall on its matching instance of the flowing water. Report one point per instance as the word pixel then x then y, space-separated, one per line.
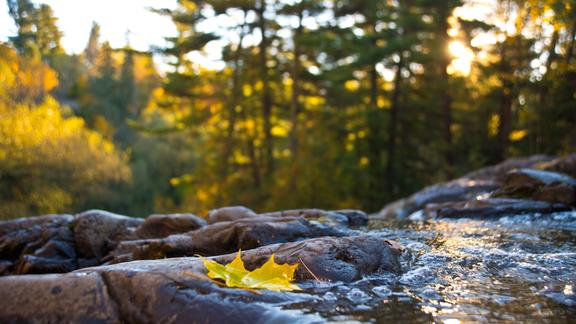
pixel 512 269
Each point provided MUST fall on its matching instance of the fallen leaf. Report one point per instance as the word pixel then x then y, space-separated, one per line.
pixel 272 276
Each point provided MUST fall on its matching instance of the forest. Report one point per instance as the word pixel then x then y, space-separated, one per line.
pixel 329 104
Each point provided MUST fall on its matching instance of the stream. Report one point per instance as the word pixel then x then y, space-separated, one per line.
pixel 511 269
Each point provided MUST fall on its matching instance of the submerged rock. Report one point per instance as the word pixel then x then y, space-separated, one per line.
pixel 177 290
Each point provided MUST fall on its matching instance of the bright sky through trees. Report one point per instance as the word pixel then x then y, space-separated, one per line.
pixel 132 19
pixel 115 18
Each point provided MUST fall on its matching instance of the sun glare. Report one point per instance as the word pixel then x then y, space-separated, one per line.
pixel 462 58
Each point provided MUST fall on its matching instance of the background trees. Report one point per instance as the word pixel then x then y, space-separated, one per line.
pixel 329 104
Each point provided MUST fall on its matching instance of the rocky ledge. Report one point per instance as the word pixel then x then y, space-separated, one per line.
pixel 101 267
pixel 536 184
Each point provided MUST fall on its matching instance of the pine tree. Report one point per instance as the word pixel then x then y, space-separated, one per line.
pixel 93 46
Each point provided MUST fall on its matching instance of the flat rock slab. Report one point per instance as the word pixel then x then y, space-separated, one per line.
pixel 177 290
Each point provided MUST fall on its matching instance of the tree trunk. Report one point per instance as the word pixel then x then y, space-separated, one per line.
pixel 504 125
pixel 295 99
pixel 266 96
pixel 570 50
pixel 552 50
pixel 446 98
pixel 236 93
pixel 373 123
pixel 393 127
pixel 447 114
pixel 251 150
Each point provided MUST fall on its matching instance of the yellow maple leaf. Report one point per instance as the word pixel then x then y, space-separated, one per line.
pixel 271 276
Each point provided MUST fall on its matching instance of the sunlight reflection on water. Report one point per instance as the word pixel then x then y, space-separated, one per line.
pixel 516 268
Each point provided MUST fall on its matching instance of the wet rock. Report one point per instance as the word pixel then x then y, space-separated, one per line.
pixel 158 226
pixel 492 207
pixel 472 185
pixel 564 295
pixel 533 177
pixel 539 185
pixel 355 217
pixel 225 237
pixel 177 290
pixel 343 217
pixel 41 244
pixel 565 164
pixel 5 267
pixel 315 215
pixel 28 234
pixel 226 214
pixel 69 298
pixel 499 171
pixel 343 259
pixel 457 190
pixel 557 193
pixel 97 232
pixel 417 277
pixel 35 264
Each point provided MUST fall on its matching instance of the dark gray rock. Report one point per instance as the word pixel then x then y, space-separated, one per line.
pixel 499 171
pixel 456 190
pixel 355 217
pixel 345 217
pixel 226 214
pixel 97 232
pixel 332 259
pixel 542 185
pixel 225 237
pixel 29 234
pixel 564 164
pixel 525 176
pixel 41 244
pixel 493 207
pixel 157 226
pixel 472 185
pixel 314 215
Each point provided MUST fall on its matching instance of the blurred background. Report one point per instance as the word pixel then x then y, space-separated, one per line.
pixel 143 107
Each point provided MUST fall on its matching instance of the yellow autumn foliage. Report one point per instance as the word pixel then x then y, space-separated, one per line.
pixel 49 162
pixel 271 276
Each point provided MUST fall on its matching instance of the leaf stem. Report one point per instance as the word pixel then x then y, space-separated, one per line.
pixel 312 273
